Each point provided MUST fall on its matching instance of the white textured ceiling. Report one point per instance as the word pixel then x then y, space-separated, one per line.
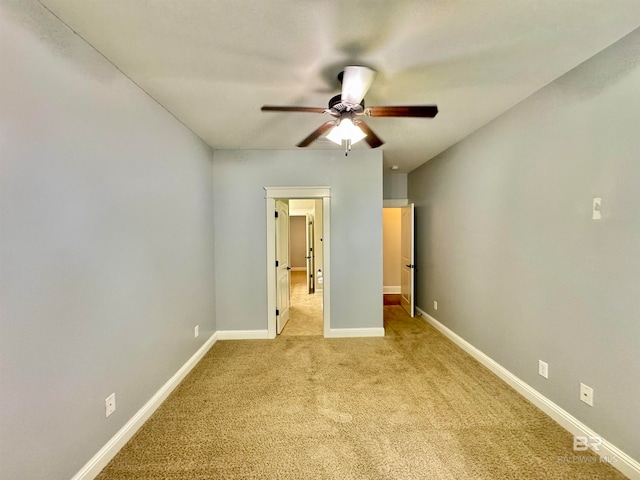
pixel 214 63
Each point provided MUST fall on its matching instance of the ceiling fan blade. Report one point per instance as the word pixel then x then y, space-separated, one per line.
pixel 321 130
pixel 274 108
pixel 355 83
pixel 372 139
pixel 428 111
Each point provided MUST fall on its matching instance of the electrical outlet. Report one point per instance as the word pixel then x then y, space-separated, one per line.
pixel 110 404
pixel 196 332
pixel 586 394
pixel 435 305
pixel 543 369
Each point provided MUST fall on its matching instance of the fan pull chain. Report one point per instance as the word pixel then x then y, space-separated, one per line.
pixel 347 147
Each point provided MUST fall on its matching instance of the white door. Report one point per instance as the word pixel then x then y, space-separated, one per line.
pixel 407 272
pixel 311 257
pixel 283 276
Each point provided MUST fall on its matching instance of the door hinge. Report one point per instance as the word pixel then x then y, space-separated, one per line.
pixel 276 214
pixel 277 312
pixel 277 264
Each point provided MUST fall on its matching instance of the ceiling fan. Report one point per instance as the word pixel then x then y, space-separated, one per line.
pixel 347 127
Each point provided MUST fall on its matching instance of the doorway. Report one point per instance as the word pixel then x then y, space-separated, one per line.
pixel 302 293
pixel 398 257
pixel 305 315
pixel 391 236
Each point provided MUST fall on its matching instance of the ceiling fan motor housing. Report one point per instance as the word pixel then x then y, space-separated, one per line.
pixel 339 106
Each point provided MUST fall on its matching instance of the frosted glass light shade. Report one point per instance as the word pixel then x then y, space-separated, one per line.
pixel 346 130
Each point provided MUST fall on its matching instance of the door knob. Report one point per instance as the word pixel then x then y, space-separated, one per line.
pixel 288 268
pixel 410 266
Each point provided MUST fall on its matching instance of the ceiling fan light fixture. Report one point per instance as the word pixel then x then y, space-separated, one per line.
pixel 349 105
pixel 346 130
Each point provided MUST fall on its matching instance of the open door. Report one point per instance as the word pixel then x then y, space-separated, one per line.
pixel 311 258
pixel 283 270
pixel 407 276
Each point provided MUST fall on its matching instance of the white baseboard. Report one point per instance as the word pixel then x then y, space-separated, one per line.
pixel 242 334
pixel 298 269
pixel 625 464
pixel 355 332
pixel 395 289
pixel 100 460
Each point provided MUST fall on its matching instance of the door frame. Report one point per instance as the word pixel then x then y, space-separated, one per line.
pixel 271 194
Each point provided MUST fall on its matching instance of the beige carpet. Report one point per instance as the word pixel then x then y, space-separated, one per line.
pixel 408 406
pixel 305 312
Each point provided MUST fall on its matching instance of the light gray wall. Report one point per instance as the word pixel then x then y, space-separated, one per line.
pixel 240 231
pixel 394 186
pixel 106 246
pixel 507 246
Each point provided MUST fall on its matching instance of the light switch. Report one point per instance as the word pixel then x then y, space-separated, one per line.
pixel 597 205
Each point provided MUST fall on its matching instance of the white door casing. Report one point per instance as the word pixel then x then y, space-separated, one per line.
pixel 283 270
pixel 407 260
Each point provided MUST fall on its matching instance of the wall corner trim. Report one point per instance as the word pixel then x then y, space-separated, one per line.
pixel 394 202
pixel 625 464
pixel 100 460
pixel 355 332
